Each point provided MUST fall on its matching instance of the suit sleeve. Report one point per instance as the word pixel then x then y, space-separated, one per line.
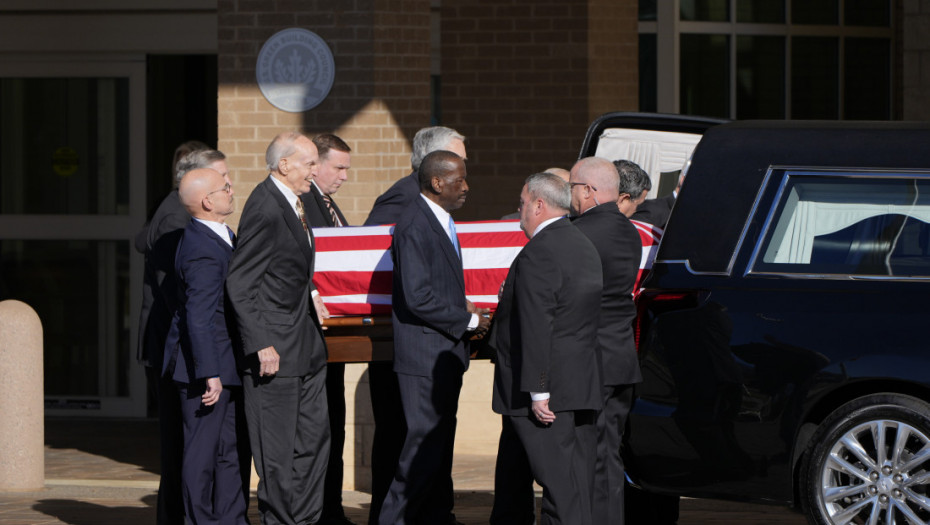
pixel 254 250
pixel 413 259
pixel 203 275
pixel 537 282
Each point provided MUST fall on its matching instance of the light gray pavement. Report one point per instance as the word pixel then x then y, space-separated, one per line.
pixel 104 472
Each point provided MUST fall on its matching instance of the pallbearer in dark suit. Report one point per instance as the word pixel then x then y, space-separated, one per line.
pixel 159 241
pixel 322 212
pixel 595 191
pixel 270 286
pixel 432 322
pixel 199 356
pixel 547 373
pixel 390 428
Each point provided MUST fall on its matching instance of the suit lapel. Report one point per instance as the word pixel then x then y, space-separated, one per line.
pixel 444 241
pixel 293 223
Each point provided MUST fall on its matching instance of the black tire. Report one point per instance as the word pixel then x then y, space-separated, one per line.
pixel 852 472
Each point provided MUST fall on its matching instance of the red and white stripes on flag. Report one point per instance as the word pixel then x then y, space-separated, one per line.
pixel 650 236
pixel 353 264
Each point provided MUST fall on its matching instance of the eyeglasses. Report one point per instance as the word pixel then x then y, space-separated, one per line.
pixel 582 184
pixel 226 187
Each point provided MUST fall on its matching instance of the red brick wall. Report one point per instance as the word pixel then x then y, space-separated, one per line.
pixel 522 79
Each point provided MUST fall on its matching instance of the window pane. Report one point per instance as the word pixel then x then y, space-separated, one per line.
pixel 760 11
pixel 847 226
pixel 647 10
pixel 867 77
pixel 648 83
pixel 64 146
pixel 816 12
pixel 705 76
pixel 705 10
pixel 760 77
pixel 873 13
pixel 814 78
pixel 80 289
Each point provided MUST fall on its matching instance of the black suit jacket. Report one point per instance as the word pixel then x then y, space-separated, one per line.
pixel 199 345
pixel 655 211
pixel 428 297
pixel 392 204
pixel 620 250
pixel 269 285
pixel 315 209
pixel 545 327
pixel 158 240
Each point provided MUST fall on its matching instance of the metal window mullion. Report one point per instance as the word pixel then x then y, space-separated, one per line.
pixel 668 57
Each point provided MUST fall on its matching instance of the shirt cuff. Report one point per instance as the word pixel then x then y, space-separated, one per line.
pixel 473 322
pixel 314 294
pixel 539 396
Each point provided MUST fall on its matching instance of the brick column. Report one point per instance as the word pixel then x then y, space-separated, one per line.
pixel 522 79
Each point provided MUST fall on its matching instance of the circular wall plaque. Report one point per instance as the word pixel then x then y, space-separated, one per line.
pixel 295 70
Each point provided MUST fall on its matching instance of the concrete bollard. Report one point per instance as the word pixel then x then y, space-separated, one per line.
pixel 22 399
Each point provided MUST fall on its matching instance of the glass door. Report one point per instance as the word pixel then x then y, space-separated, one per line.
pixel 72 197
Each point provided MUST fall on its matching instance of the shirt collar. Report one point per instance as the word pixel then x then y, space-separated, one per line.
pixel 441 215
pixel 288 193
pixel 218 228
pixel 545 223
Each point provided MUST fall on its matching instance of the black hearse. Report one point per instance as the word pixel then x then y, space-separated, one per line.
pixel 784 330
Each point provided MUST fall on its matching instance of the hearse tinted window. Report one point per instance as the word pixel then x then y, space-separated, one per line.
pixel 849 225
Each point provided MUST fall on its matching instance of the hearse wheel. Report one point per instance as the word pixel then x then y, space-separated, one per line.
pixel 869 464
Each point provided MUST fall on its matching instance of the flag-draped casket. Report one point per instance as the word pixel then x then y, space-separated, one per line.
pixel 353 264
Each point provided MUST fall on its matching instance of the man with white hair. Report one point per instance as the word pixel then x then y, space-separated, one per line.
pixel 270 286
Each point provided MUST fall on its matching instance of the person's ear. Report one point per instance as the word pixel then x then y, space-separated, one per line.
pixel 436 183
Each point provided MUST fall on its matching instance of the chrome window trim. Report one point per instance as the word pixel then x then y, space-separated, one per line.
pixel 788 173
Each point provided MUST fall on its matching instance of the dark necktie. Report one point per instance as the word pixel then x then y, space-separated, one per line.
pixel 232 236
pixel 332 210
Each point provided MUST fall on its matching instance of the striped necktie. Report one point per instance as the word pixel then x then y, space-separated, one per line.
pixel 332 210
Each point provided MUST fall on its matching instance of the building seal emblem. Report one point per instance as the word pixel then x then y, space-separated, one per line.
pixel 295 70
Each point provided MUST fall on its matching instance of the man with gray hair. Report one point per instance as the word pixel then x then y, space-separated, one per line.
pixel 634 186
pixel 390 427
pixel 394 202
pixel 547 376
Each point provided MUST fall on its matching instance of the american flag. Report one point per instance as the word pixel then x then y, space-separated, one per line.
pixel 353 264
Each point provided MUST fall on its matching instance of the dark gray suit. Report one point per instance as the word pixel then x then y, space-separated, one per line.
pixel 269 285
pixel 620 249
pixel 430 355
pixel 390 427
pixel 318 216
pixel 391 205
pixel 545 333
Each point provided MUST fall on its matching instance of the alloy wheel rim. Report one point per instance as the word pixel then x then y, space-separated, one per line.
pixel 877 473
